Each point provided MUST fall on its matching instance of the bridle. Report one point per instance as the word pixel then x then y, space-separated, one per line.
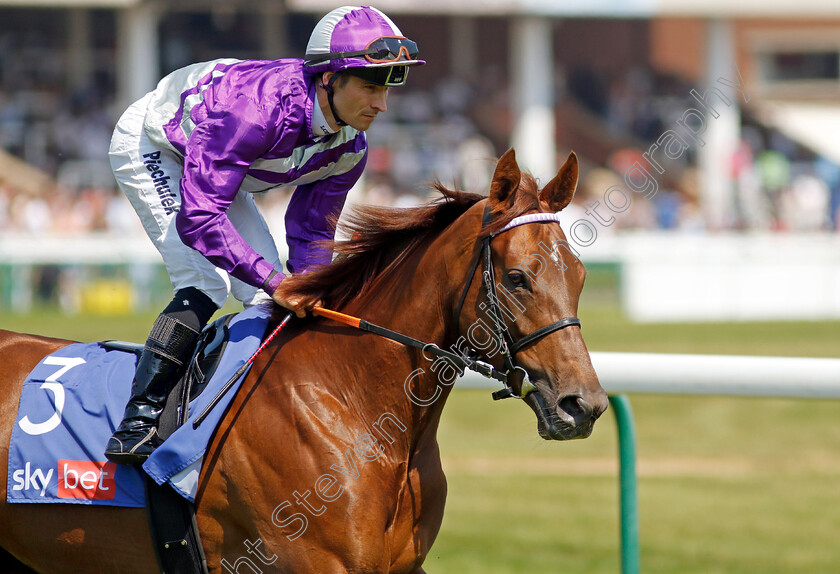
pixel 504 341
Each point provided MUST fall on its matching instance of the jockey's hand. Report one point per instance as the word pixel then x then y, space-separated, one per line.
pixel 300 305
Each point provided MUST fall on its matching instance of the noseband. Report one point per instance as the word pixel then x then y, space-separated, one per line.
pixel 504 340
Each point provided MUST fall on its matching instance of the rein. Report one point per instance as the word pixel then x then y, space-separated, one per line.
pixel 506 344
pixel 485 369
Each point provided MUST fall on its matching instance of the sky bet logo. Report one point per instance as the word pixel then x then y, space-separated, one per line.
pixel 76 479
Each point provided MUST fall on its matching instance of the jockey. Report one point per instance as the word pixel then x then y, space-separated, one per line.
pixel 190 154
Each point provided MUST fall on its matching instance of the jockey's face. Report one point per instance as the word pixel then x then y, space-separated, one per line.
pixel 358 101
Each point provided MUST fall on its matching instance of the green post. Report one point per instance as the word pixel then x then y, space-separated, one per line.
pixel 627 484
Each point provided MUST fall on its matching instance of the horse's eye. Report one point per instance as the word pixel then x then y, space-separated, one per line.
pixel 517 278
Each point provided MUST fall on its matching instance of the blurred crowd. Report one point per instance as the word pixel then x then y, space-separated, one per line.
pixel 67 138
pixel 778 184
pixel 423 137
pixel 441 134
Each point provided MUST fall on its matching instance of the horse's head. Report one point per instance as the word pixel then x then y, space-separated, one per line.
pixel 538 281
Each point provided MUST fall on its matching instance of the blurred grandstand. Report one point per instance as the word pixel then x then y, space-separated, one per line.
pixel 616 75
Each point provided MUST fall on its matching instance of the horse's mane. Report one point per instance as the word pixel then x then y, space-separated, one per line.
pixel 382 237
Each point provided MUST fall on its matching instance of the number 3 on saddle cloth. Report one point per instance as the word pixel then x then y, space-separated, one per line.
pixel 74 399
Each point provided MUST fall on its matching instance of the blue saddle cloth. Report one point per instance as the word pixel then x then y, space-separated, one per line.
pixel 74 399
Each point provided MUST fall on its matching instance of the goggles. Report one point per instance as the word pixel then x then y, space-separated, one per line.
pixel 390 76
pixel 390 49
pixel 383 50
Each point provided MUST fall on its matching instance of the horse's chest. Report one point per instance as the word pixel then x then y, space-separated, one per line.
pixel 418 517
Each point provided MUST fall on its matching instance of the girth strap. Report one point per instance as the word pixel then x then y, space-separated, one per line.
pixel 174 530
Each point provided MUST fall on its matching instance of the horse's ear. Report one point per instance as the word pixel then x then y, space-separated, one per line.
pixel 506 180
pixel 560 190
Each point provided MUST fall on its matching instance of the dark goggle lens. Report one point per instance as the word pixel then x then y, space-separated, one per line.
pixel 398 76
pixel 391 50
pixel 387 76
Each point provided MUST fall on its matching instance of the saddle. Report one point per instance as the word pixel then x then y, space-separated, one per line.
pixel 171 517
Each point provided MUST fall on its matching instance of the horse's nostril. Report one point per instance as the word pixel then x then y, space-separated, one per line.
pixel 576 407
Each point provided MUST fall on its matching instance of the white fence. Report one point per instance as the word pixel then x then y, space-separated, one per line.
pixel 814 378
pixel 730 277
pixel 665 276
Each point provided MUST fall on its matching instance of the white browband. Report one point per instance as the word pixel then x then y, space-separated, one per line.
pixel 531 218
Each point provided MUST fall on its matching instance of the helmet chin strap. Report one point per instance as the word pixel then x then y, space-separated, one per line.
pixel 330 93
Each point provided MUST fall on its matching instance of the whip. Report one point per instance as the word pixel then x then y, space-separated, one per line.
pixel 239 372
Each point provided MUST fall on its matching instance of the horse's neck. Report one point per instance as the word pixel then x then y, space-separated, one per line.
pixel 418 301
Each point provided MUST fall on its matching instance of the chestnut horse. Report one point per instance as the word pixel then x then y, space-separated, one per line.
pixel 327 459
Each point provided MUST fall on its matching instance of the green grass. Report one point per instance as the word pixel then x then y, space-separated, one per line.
pixel 726 485
pixel 606 329
pixel 80 328
pixel 52 323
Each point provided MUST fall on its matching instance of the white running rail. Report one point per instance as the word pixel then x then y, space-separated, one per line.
pixel 655 373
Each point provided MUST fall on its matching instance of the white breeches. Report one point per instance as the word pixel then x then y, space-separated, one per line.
pixel 156 197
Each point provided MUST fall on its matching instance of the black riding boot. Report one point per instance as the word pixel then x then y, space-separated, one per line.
pixel 159 368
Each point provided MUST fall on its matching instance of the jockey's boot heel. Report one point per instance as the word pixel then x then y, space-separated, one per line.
pixel 161 364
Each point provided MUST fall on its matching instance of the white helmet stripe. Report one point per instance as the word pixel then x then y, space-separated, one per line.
pixel 340 40
pixel 320 40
